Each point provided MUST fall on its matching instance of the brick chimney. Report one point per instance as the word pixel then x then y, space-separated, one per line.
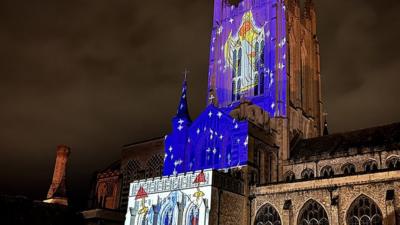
pixel 58 192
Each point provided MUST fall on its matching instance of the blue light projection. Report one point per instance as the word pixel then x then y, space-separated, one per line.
pixel 247 60
pixel 248 54
pixel 214 140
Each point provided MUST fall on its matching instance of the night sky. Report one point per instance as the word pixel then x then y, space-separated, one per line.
pixel 99 74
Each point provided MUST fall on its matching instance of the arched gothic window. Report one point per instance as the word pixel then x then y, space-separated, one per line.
pixel 233 90
pixel 267 215
pixel 349 169
pixel 256 87
pixel 262 66
pixel 327 172
pixel 234 63
pixel 307 174
pixel 257 66
pixel 313 213
pixel 239 86
pixel 290 177
pixel 257 51
pixel 393 163
pixel 371 166
pixel 262 49
pixel 239 71
pixel 364 211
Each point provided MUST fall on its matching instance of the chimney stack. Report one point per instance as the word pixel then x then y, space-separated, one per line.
pixel 58 192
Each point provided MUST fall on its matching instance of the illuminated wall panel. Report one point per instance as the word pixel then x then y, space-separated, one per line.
pixel 214 140
pixel 177 200
pixel 248 54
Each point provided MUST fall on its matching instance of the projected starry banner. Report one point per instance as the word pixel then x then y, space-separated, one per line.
pixel 248 54
pixel 214 140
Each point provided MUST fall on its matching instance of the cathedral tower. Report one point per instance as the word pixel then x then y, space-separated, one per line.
pixel 305 108
pixel 57 192
pixel 263 71
pixel 266 53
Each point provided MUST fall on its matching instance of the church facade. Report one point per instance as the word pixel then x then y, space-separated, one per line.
pixel 260 152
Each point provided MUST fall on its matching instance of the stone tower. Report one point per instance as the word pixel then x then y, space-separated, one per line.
pixel 264 59
pixel 305 107
pixel 57 192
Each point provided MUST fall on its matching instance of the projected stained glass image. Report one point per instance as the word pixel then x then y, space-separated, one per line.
pixel 248 55
pixel 244 53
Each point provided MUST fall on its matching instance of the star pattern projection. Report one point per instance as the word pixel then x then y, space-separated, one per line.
pixel 247 60
pixel 214 140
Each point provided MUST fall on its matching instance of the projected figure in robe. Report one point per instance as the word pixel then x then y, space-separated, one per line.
pixel 194 216
pixel 243 52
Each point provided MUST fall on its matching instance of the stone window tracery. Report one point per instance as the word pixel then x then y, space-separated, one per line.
pixel 364 211
pixel 154 166
pixel 327 172
pixel 371 166
pixel 290 177
pixel 267 215
pixel 349 169
pixel 132 171
pixel 313 213
pixel 307 174
pixel 393 163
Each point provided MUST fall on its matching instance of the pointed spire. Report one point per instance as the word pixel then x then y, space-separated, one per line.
pixel 326 131
pixel 183 111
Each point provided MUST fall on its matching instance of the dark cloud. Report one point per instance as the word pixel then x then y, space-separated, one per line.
pixel 360 62
pixel 99 74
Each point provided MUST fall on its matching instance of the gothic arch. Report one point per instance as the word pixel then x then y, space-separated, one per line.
pixel 101 195
pixel 327 171
pixel 307 174
pixel 312 213
pixel 168 212
pixel 289 176
pixel 362 211
pixel 271 166
pixel 393 162
pixel 370 166
pixel 267 215
pixel 349 169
